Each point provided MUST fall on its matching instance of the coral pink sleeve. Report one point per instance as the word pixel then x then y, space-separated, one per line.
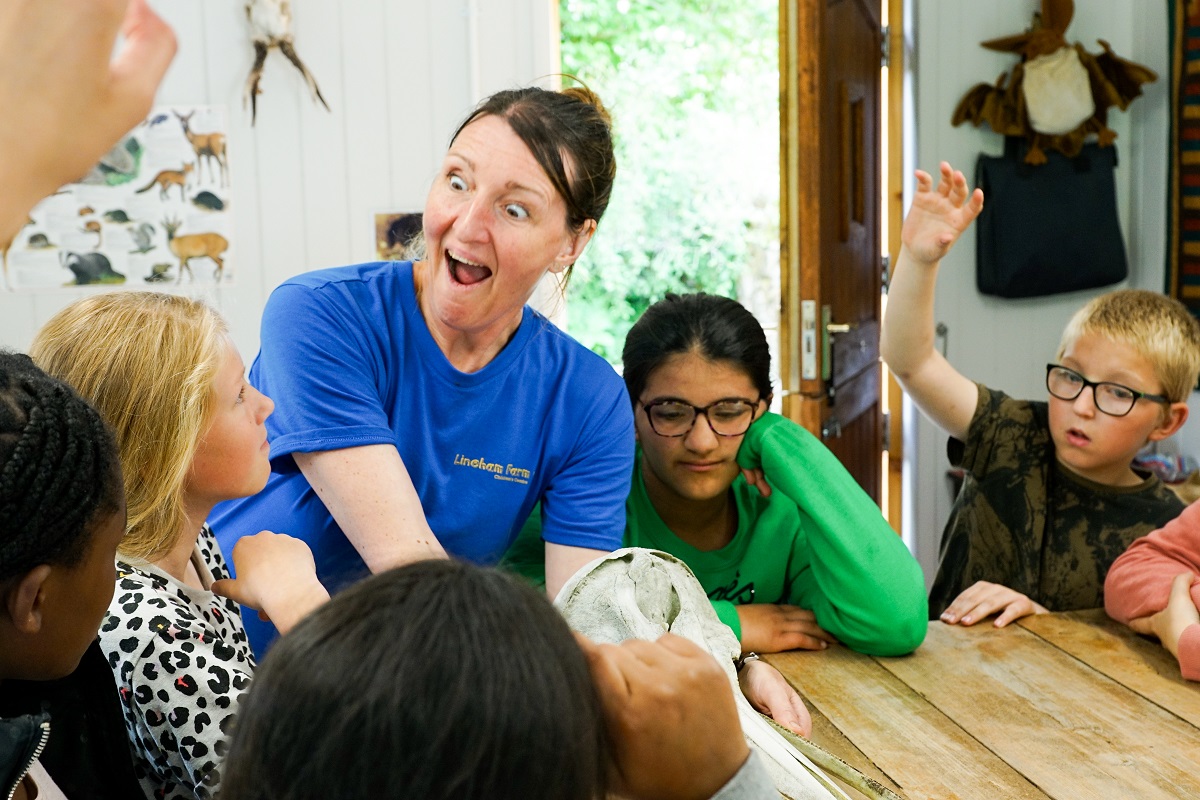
pixel 1139 581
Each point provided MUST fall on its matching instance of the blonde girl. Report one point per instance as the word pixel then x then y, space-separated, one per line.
pixel 165 375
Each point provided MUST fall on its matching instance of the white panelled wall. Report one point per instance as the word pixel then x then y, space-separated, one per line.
pixel 305 183
pixel 1006 343
pixel 400 74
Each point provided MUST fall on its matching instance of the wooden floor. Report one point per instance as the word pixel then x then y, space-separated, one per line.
pixel 1067 706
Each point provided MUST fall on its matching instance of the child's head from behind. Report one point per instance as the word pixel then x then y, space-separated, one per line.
pixel 688 352
pixel 435 680
pixel 151 364
pixel 1146 348
pixel 62 514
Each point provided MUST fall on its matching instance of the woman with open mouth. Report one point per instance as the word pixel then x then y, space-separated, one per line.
pixel 423 409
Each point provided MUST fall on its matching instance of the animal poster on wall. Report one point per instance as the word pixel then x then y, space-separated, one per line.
pixel 154 211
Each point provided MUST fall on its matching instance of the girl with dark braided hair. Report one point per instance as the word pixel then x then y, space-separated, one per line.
pixel 62 514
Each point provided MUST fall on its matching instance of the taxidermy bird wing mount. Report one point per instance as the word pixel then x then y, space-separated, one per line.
pixel 271 27
pixel 1059 93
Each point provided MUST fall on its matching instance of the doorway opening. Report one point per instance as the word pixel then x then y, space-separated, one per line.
pixel 695 95
pixel 693 90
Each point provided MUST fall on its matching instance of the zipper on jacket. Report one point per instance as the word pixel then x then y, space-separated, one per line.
pixel 37 751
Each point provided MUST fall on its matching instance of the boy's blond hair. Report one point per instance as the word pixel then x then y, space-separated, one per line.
pixel 147 362
pixel 1159 328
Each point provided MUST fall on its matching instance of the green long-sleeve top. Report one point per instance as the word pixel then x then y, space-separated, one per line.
pixel 818 542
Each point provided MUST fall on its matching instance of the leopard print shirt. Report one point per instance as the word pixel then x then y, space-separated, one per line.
pixel 182 662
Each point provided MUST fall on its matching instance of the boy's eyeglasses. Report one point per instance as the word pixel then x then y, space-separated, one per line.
pixel 675 418
pixel 1111 398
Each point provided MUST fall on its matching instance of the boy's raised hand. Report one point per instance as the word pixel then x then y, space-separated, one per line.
pixel 937 218
pixel 982 599
pixel 939 215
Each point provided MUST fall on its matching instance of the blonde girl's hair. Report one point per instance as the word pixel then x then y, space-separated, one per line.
pixel 1159 328
pixel 147 362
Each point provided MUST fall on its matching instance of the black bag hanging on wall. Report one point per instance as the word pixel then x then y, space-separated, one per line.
pixel 1049 228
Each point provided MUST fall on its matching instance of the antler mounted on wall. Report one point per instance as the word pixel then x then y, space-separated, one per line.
pixel 1059 93
pixel 270 27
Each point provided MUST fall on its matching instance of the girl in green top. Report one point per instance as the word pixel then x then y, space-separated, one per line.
pixel 788 547
pixel 792 553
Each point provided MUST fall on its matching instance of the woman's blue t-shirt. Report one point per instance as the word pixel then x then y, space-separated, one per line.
pixel 349 361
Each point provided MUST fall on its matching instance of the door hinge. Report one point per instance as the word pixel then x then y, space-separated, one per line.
pixel 887 431
pixel 885 46
pixel 885 271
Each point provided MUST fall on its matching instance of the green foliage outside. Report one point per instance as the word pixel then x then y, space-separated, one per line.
pixel 693 89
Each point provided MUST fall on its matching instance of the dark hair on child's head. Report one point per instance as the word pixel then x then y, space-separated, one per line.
pixel 59 470
pixel 713 327
pixel 436 680
pixel 572 123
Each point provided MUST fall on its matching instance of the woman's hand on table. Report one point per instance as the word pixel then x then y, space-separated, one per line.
pixel 770 693
pixel 1169 624
pixel 984 599
pixel 775 627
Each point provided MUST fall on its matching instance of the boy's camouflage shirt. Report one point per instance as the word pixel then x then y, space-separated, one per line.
pixel 1024 521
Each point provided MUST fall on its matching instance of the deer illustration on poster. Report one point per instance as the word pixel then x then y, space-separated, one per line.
pixel 195 245
pixel 209 147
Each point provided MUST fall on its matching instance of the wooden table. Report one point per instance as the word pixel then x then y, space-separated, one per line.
pixel 1066 706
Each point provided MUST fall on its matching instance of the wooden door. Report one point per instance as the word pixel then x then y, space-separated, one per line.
pixel 830 226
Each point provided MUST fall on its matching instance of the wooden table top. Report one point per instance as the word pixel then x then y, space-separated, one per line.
pixel 1068 706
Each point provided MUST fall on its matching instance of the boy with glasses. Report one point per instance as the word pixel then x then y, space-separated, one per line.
pixel 1049 496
